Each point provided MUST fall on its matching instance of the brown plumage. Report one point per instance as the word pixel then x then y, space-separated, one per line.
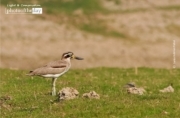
pixel 55 69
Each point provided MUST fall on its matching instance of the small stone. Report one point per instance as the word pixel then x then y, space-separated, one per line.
pixel 135 90
pixel 68 93
pixel 168 89
pixel 165 112
pixel 5 98
pixel 132 89
pixel 91 94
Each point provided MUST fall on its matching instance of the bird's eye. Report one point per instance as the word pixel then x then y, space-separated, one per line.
pixel 67 56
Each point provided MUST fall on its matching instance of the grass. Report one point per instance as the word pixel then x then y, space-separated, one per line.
pixel 88 11
pixel 88 6
pixel 99 28
pixel 171 7
pixel 173 28
pixel 31 99
pixel 66 6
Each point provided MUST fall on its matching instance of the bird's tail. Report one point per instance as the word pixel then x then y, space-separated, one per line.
pixel 30 73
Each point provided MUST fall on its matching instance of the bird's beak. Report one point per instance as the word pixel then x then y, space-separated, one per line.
pixel 78 58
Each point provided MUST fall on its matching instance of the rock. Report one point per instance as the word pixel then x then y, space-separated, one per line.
pixel 68 93
pixel 167 89
pixel 91 95
pixel 135 90
pixel 165 112
pixel 3 103
pixel 5 98
pixel 132 89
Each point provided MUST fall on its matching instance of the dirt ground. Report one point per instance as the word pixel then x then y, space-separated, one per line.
pixel 28 41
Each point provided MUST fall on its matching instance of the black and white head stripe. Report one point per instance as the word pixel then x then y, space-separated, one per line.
pixel 67 55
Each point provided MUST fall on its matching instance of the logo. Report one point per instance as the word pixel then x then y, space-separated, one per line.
pixel 36 10
pixel 23 9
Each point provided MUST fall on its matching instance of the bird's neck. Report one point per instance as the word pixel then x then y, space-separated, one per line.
pixel 67 60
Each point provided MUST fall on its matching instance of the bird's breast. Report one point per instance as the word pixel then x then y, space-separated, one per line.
pixel 51 75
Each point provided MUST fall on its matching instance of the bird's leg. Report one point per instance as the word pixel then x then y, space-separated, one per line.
pixel 54 86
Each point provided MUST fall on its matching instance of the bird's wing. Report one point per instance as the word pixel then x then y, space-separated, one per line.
pixel 57 64
pixel 55 67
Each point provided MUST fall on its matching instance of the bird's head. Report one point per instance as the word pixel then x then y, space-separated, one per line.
pixel 70 55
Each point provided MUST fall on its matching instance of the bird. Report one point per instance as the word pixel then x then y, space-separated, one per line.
pixel 55 69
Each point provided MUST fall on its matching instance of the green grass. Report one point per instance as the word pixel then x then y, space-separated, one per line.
pixel 99 28
pixel 31 99
pixel 88 6
pixel 66 6
pixel 172 7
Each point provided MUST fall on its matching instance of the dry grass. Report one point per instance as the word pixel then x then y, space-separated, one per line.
pixel 27 39
pixel 117 5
